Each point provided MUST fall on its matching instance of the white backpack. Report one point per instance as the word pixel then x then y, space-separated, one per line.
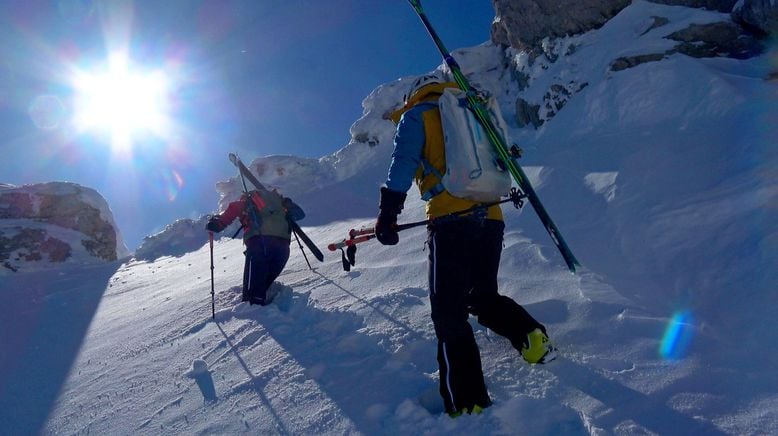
pixel 473 168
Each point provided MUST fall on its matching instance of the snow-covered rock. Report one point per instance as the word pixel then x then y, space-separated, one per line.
pixel 641 34
pixel 176 239
pixel 526 24
pixel 714 5
pixel 56 222
pixel 759 14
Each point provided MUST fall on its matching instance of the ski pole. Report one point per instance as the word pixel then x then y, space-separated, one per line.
pixel 357 236
pixel 302 251
pixel 213 292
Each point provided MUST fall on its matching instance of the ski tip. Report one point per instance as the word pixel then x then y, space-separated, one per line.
pixel 234 158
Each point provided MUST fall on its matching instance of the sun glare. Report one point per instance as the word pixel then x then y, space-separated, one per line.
pixel 122 102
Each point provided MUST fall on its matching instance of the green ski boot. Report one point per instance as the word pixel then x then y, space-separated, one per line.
pixel 476 410
pixel 538 348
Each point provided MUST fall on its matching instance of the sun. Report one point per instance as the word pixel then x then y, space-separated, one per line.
pixel 121 101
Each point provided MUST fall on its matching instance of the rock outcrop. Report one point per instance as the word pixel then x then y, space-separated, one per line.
pixel 523 24
pixel 759 15
pixel 537 34
pixel 53 223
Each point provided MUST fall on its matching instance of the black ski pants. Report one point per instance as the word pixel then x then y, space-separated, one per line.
pixel 464 257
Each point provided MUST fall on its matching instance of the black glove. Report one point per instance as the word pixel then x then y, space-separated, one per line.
pixel 386 225
pixel 213 225
pixel 386 229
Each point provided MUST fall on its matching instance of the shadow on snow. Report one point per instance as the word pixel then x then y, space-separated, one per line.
pixel 44 320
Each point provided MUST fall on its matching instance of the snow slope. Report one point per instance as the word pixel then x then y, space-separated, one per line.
pixel 663 180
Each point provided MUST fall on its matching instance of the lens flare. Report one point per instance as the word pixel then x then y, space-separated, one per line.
pixel 173 184
pixel 47 111
pixel 678 336
pixel 122 101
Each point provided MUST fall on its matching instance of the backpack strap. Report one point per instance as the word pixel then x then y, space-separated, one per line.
pixel 427 167
pixel 436 189
pixel 253 204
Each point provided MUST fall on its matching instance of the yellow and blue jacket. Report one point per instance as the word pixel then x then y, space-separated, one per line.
pixel 418 144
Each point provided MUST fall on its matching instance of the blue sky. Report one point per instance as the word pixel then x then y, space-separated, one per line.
pixel 257 77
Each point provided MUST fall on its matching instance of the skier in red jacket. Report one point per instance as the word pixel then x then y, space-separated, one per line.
pixel 264 216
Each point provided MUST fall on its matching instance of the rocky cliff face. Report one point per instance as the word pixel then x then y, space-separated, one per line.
pixel 53 223
pixel 541 30
pixel 760 15
pixel 523 24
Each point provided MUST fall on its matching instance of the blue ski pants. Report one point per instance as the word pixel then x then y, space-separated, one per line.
pixel 266 257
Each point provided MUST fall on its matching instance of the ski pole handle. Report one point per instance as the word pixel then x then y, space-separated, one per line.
pixel 365 234
pixel 353 233
pixel 351 241
pixel 355 236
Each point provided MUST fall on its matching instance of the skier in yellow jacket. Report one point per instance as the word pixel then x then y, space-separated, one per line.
pixel 464 255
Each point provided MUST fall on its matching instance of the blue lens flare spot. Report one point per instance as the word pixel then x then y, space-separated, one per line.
pixel 678 336
pixel 173 184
